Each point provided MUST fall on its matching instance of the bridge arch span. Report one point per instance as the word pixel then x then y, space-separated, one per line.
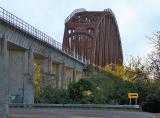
pixel 105 45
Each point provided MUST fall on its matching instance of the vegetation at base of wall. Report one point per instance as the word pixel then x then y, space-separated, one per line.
pixel 104 89
pixel 82 92
pixel 53 95
pixel 112 83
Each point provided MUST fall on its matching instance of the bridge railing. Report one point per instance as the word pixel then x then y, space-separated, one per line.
pixel 25 27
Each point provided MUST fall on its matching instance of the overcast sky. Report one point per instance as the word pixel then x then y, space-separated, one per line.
pixel 137 19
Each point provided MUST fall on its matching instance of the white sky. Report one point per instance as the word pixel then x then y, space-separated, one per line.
pixel 137 19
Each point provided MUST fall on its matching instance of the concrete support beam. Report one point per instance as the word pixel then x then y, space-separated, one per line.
pixel 50 76
pixel 28 82
pixel 56 72
pixel 49 67
pixel 47 75
pixel 62 77
pixel 44 62
pixel 3 79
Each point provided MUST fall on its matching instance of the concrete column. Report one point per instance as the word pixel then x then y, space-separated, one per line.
pixel 28 81
pixel 44 63
pixel 62 71
pixel 3 79
pixel 49 65
pixel 56 72
pixel 49 71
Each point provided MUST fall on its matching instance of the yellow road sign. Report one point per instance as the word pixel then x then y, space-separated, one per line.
pixel 132 95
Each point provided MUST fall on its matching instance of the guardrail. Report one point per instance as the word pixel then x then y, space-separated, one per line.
pixel 25 27
pixel 77 106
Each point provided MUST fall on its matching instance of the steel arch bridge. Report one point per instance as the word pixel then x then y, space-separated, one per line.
pixel 94 35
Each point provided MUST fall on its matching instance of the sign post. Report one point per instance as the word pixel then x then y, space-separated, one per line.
pixel 130 101
pixel 136 101
pixel 132 96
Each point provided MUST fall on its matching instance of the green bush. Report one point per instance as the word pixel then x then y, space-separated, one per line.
pixel 151 102
pixel 102 88
pixel 109 90
pixel 53 95
pixel 76 91
pixel 100 96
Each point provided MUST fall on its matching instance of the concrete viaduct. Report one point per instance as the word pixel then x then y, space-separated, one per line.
pixel 21 47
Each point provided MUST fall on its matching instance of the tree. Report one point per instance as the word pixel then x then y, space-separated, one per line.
pixel 138 68
pixel 154 57
pixel 117 70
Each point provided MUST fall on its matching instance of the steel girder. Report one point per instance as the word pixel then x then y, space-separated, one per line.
pixel 95 36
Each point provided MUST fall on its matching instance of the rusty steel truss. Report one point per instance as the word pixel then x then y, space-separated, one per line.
pixel 94 35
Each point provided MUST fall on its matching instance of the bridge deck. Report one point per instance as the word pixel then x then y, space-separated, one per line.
pixel 26 28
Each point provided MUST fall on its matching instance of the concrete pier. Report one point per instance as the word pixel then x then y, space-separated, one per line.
pixel 3 79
